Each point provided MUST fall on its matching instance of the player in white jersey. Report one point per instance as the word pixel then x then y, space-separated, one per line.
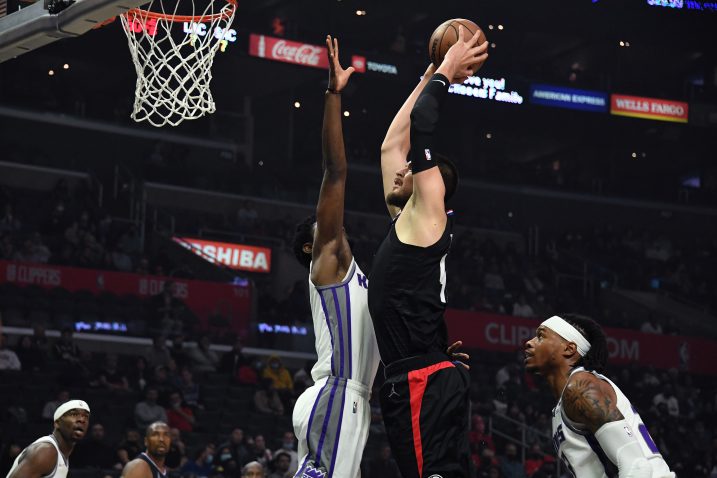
pixel 596 431
pixel 48 456
pixel 332 418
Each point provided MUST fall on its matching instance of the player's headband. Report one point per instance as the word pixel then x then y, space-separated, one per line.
pixel 71 405
pixel 561 327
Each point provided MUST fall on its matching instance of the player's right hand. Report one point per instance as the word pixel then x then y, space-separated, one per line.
pixel 463 55
pixel 338 77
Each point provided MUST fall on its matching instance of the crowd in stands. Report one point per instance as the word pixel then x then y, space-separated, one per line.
pixel 227 410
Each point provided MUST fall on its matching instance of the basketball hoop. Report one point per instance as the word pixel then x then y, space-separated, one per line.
pixel 174 68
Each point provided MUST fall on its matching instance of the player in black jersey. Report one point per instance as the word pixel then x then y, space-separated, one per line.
pixel 150 463
pixel 425 397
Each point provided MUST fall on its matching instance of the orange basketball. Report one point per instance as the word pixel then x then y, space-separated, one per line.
pixel 446 35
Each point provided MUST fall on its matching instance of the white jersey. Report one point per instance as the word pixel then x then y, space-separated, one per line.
pixel 61 466
pixel 580 451
pixel 345 339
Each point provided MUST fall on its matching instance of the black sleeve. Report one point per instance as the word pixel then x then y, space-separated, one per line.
pixel 424 120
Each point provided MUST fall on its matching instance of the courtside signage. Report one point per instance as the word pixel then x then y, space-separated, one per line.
pixel 492 89
pixel 557 96
pixel 649 108
pixel 287 51
pixel 234 256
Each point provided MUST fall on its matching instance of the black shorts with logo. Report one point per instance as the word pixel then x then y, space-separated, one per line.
pixel 425 406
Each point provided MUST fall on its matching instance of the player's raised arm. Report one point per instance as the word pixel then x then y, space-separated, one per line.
pixel 592 403
pixel 429 189
pixel 397 143
pixel 330 254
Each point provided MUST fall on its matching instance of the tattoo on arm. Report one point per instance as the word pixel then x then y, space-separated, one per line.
pixel 587 402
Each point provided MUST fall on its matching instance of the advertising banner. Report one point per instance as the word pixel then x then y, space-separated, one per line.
pixel 279 49
pixel 201 297
pixel 505 333
pixel 584 100
pixel 235 256
pixel 649 108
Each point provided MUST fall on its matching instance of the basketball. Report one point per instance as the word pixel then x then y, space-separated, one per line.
pixel 446 35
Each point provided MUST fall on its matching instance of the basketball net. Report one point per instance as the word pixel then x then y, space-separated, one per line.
pixel 173 56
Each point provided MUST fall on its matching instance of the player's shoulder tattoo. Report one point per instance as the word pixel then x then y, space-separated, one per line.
pixel 587 400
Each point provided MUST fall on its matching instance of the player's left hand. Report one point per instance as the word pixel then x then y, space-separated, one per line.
pixel 459 357
pixel 338 77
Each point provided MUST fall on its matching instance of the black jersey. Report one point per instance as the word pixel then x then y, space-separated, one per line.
pixel 406 296
pixel 156 472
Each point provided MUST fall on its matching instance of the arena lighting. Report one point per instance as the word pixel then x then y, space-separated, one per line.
pixel 492 45
pixel 361 13
pixel 488 135
pixel 500 27
pixel 490 27
pixel 51 72
pixel 634 155
pixel 66 66
pixel 347 114
pixel 622 43
pixel 297 104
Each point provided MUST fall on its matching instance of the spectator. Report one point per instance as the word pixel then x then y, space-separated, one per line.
pixel 238 447
pixel 158 354
pixel 253 469
pixel 478 437
pixel 167 309
pixel 267 400
pixel 30 358
pixel 302 378
pixel 201 466
pixel 280 377
pixel 40 341
pixel 234 360
pixel 383 465
pixel 651 326
pixel 534 460
pixel 110 377
pixel 139 375
pixel 281 464
pixel 33 250
pixel 189 389
pixel 202 358
pixel 179 415
pixel 521 308
pixel 94 451
pixel 510 465
pixel 8 358
pixel 177 350
pixel 162 383
pixel 226 463
pixel 148 411
pixel 66 350
pixel 259 452
pixel 7 247
pixel 669 400
pixel 288 446
pixel 48 410
pixel 177 454
pixel 129 447
pixel 8 221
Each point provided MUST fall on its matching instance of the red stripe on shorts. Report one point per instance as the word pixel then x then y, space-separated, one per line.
pixel 417 381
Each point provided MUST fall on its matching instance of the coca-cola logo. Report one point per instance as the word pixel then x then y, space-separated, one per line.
pixel 302 53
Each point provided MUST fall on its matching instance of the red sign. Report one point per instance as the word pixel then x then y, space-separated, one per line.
pixel 359 63
pixel 649 108
pixel 506 334
pixel 288 51
pixel 234 256
pixel 202 298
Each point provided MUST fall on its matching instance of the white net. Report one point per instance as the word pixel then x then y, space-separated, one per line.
pixel 173 55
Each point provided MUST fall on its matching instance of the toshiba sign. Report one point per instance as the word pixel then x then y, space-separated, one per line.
pixel 235 256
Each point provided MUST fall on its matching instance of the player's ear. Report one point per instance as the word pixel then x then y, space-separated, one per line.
pixel 570 349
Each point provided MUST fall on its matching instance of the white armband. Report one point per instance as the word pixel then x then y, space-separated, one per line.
pixel 620 444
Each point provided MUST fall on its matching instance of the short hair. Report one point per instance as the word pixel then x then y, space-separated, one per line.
pixel 303 234
pixel 449 173
pixel 596 358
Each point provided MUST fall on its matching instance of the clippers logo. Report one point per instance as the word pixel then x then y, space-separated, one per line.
pixel 428 154
pixel 311 472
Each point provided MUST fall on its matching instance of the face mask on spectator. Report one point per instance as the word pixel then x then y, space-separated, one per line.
pixel 225 456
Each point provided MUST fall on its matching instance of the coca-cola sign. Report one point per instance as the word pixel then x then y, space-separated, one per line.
pixel 288 51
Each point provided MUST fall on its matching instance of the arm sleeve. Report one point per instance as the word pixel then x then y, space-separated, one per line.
pixel 620 444
pixel 424 119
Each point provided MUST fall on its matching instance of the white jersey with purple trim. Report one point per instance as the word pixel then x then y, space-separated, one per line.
pixel 345 339
pixel 61 466
pixel 332 418
pixel 580 451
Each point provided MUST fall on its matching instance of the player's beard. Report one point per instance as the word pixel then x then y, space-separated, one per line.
pixel 397 198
